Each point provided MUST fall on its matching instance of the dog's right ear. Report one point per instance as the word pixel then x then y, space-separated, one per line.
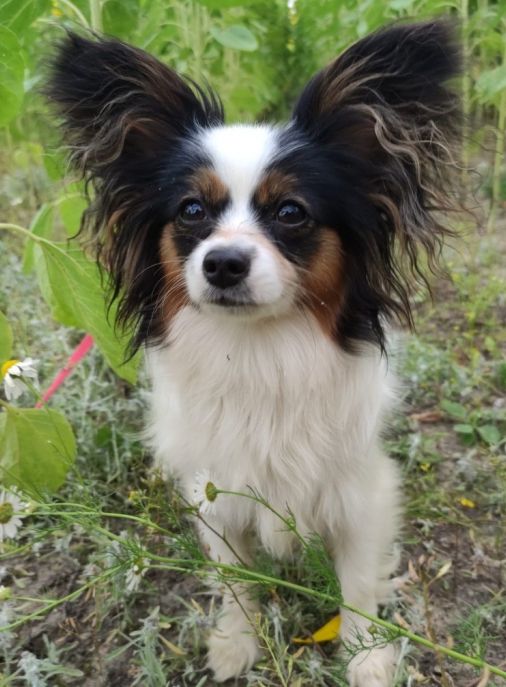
pixel 117 100
pixel 127 120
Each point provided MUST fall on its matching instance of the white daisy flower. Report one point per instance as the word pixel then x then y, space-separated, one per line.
pixel 11 511
pixel 204 493
pixel 6 617
pixel 13 372
pixel 135 574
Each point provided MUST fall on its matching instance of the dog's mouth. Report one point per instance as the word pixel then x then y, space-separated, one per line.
pixel 239 300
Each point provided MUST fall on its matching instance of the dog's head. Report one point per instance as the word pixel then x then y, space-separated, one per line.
pixel 325 213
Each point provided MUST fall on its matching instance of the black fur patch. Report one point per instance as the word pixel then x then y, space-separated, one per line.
pixel 129 122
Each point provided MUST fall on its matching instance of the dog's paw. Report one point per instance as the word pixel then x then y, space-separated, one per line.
pixel 231 654
pixel 373 668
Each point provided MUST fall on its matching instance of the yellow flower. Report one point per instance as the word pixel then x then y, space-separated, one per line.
pixel 327 633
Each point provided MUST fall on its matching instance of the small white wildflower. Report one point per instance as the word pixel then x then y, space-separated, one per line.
pixel 37 547
pixel 90 570
pixel 115 551
pixel 62 544
pixel 11 512
pixel 3 572
pixel 13 372
pixel 30 665
pixel 204 493
pixel 6 617
pixel 135 574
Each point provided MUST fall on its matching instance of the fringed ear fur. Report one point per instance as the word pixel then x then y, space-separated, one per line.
pixel 386 103
pixel 126 118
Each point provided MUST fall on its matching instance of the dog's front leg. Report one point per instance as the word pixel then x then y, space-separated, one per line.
pixel 232 646
pixel 363 561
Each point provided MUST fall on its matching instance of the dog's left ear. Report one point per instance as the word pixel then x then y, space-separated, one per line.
pixel 385 105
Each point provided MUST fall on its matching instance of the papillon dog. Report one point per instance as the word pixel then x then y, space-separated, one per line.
pixel 264 267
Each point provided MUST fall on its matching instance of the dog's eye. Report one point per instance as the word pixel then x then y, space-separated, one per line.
pixel 192 211
pixel 291 214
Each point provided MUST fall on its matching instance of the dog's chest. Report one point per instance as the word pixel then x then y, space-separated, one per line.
pixel 273 406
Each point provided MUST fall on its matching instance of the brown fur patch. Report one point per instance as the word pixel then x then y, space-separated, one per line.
pixel 175 295
pixel 322 282
pixel 206 184
pixel 275 186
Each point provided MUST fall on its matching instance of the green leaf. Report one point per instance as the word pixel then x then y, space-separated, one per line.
pixel 224 4
pixel 501 375
pixel 71 209
pixel 11 75
pixel 5 339
pixel 491 83
pixel 18 15
pixel 490 434
pixel 466 433
pixel 72 286
pixel 456 410
pixel 237 37
pixel 120 17
pixel 37 448
pixel 42 225
pixel 464 429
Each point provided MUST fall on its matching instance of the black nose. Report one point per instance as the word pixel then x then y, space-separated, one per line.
pixel 226 266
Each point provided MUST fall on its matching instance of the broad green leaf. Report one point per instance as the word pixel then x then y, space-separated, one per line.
pixel 224 4
pixel 37 448
pixel 71 285
pixel 11 75
pixel 5 339
pixel 456 410
pixel 71 209
pixel 463 429
pixel 18 15
pixel 237 37
pixel 490 434
pixel 466 433
pixel 120 17
pixel 501 375
pixel 491 83
pixel 42 225
pixel 54 164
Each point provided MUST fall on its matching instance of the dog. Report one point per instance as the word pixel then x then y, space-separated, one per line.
pixel 264 269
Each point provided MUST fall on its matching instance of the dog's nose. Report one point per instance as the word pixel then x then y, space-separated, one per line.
pixel 225 267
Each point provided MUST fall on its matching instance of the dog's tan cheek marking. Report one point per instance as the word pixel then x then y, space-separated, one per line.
pixel 174 294
pixel 322 282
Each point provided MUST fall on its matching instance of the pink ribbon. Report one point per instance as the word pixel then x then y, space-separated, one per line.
pixel 78 354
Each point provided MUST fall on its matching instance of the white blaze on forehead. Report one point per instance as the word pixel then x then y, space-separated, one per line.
pixel 240 154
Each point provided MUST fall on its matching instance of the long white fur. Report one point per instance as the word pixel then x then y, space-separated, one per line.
pixel 275 405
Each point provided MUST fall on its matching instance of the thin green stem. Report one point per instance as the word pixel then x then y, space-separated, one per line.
pixel 466 90
pixel 58 602
pixel 96 15
pixel 499 153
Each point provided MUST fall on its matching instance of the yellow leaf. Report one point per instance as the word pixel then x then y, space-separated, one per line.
pixel 172 647
pixel 326 633
pixel 443 570
pixel 467 503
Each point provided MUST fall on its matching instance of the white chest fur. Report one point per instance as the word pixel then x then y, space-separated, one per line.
pixel 272 405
